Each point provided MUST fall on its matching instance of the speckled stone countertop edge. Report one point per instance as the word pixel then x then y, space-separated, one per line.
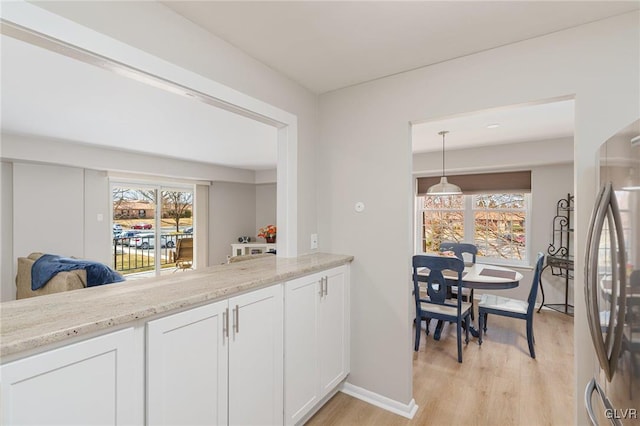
pixel 96 309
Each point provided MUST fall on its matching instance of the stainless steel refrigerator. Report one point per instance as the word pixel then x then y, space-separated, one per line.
pixel 612 287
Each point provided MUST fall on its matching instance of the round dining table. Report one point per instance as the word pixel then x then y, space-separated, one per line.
pixel 489 277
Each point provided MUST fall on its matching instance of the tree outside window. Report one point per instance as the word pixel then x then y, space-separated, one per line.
pixel 495 223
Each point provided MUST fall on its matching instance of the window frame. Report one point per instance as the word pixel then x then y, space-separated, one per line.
pixel 159 186
pixel 469 229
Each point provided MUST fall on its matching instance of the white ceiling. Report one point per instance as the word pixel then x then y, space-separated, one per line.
pixel 327 45
pixel 323 45
pixel 520 123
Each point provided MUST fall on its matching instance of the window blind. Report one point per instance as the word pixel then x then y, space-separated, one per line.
pixel 484 183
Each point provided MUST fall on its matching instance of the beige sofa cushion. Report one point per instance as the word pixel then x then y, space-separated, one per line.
pixel 63 281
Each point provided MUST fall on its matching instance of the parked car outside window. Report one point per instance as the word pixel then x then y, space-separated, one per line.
pixel 148 240
pixel 124 237
pixel 141 226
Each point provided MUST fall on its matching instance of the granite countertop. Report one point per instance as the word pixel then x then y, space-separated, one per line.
pixel 34 322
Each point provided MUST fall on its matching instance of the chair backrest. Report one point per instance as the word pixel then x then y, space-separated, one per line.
pixel 459 249
pixel 184 249
pixel 533 293
pixel 436 282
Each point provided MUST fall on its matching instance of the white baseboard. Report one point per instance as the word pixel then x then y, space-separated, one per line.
pixel 404 410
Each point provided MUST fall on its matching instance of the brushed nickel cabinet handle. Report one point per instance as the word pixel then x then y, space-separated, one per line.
pixel 225 323
pixel 237 319
pixel 321 292
pixel 326 286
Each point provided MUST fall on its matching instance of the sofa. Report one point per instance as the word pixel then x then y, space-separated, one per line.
pixel 63 281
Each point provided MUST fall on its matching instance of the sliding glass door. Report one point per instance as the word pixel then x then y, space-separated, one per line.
pixel 148 223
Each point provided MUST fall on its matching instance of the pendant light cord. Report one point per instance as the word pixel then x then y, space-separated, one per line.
pixel 443 132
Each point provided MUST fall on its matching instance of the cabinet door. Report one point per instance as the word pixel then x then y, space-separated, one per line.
pixel 333 330
pixel 302 371
pixel 256 358
pixel 187 367
pixel 87 383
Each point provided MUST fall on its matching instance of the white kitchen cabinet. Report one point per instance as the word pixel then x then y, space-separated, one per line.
pixel 316 339
pixel 187 370
pixel 333 330
pixel 256 366
pixel 93 382
pixel 302 372
pixel 218 364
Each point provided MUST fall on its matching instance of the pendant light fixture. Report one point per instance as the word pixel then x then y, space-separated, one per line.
pixel 444 187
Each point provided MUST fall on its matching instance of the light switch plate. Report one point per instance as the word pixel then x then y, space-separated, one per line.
pixel 314 241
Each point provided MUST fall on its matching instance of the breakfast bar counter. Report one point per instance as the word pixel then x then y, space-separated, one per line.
pixel 27 324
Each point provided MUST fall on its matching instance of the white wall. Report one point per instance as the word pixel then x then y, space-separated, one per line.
pixel 265 207
pixel 549 184
pixel 365 155
pixel 201 226
pixel 7 286
pixel 48 206
pixel 232 213
pixel 98 234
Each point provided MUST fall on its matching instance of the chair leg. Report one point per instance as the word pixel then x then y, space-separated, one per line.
pixel 471 299
pixel 467 324
pixel 438 330
pixel 428 322
pixel 480 326
pixel 418 322
pixel 486 315
pixel 459 333
pixel 532 351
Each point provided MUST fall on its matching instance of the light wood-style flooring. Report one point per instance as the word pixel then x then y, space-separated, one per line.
pixel 497 383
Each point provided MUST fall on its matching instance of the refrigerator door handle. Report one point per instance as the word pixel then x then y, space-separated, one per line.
pixel 620 276
pixel 591 277
pixel 592 255
pixel 606 209
pixel 593 386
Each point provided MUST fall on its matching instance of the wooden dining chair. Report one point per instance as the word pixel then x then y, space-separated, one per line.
pixel 514 308
pixel 436 305
pixel 460 249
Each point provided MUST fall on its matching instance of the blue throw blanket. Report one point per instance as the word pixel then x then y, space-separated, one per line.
pixel 49 265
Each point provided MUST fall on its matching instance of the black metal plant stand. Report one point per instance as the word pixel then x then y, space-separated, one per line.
pixel 559 257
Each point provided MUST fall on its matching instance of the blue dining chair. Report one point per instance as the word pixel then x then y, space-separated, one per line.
pixel 460 249
pixel 435 305
pixel 514 308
